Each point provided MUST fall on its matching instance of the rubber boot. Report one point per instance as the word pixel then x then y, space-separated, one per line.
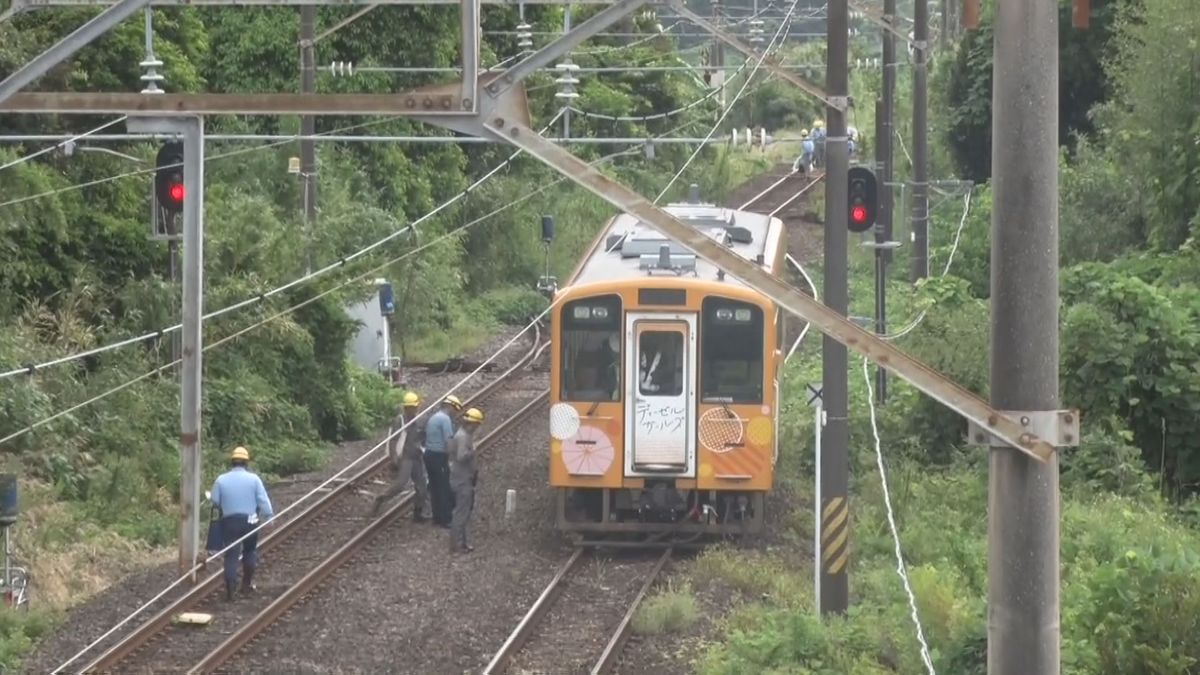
pixel 418 517
pixel 230 588
pixel 247 580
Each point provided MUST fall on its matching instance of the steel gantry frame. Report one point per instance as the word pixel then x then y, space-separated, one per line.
pixel 498 111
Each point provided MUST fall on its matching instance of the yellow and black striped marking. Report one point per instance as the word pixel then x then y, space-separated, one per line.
pixel 835 534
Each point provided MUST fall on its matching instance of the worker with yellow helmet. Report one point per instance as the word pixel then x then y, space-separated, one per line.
pixel 242 500
pixel 438 432
pixel 804 163
pixel 818 139
pixel 463 478
pixel 407 434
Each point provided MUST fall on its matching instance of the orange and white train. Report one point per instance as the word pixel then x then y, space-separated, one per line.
pixel 664 401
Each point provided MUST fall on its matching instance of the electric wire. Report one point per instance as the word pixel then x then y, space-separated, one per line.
pixel 901 569
pixel 749 78
pixel 207 158
pixel 30 369
pixel 196 568
pixel 21 160
pixel 949 261
pixel 128 383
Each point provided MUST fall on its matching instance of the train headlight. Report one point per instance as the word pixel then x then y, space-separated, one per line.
pixel 742 315
pixel 724 314
pixel 583 312
pixel 600 312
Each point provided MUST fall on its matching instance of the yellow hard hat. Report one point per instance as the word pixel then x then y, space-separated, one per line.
pixel 411 399
pixel 453 400
pixel 818 124
pixel 474 415
pixel 240 453
pixel 804 133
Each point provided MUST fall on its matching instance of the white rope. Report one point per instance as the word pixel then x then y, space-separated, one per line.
pixel 887 501
pixel 338 264
pixel 949 261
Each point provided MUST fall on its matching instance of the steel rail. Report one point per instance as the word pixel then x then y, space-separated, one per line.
pixel 616 644
pixel 224 652
pixel 516 640
pixel 767 191
pixel 796 196
pixel 140 636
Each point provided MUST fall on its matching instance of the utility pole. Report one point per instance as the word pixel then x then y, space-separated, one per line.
pixel 884 152
pixel 1023 497
pixel 920 168
pixel 835 522
pixel 308 126
pixel 882 237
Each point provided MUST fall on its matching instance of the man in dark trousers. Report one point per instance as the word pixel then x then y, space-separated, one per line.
pixel 438 432
pixel 407 456
pixel 242 499
pixel 463 475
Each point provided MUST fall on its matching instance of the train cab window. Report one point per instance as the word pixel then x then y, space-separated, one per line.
pixel 591 349
pixel 731 352
pixel 660 363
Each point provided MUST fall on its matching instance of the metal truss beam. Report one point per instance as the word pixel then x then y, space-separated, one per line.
pixel 26 5
pixel 563 45
pixel 826 320
pixel 770 63
pixel 72 43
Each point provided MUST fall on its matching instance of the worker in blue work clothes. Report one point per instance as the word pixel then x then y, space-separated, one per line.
pixel 804 163
pixel 851 141
pixel 242 499
pixel 463 477
pixel 818 137
pixel 407 456
pixel 438 432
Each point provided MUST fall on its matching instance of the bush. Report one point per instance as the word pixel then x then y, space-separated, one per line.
pixel 670 611
pixel 515 306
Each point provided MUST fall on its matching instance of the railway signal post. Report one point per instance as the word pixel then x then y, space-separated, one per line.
pixel 179 186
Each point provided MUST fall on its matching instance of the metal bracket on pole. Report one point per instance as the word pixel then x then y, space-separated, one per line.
pixel 769 63
pixel 822 318
pixel 1060 426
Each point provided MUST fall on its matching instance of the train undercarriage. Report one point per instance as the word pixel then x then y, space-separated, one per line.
pixel 659 508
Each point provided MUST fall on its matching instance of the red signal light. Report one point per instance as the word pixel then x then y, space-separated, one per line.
pixel 177 192
pixel 858 214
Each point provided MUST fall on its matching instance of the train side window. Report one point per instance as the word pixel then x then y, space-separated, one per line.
pixel 660 363
pixel 731 352
pixel 591 349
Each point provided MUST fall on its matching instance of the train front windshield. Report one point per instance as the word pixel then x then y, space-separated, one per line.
pixel 591 349
pixel 731 346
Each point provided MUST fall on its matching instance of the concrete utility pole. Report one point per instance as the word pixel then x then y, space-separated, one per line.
pixel 882 235
pixel 920 168
pixel 308 126
pixel 835 465
pixel 1023 499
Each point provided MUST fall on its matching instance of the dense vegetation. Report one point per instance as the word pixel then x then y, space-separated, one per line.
pixel 1129 330
pixel 77 270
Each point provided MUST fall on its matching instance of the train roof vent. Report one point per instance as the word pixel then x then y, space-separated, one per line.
pixel 707 216
pixel 667 261
pixel 720 235
pixel 644 241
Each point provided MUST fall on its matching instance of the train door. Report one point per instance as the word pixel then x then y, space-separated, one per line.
pixel 660 425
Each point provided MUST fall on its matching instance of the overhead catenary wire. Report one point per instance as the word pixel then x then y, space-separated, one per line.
pixel 749 78
pixel 337 476
pixel 21 160
pixel 901 569
pixel 261 297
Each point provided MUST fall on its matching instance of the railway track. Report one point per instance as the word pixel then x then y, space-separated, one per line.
pixel 588 598
pixel 782 193
pixel 315 543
